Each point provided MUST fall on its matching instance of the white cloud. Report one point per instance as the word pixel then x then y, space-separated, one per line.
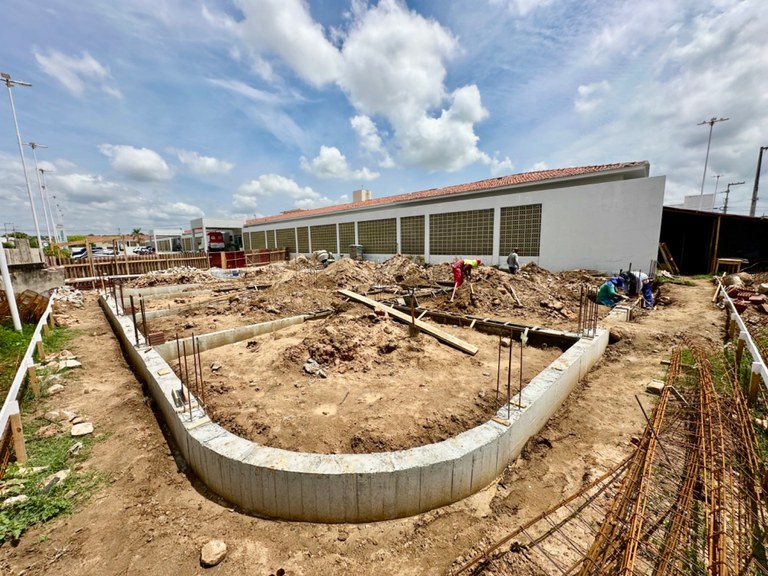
pixel 286 28
pixel 84 187
pixel 539 166
pixel 390 63
pixel 137 163
pixel 369 140
pixel 182 210
pixel 75 73
pixel 246 196
pixel 331 163
pixel 447 142
pixel 522 7
pixel 203 164
pixel 589 96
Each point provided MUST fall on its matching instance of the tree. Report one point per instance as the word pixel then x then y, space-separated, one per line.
pixel 136 233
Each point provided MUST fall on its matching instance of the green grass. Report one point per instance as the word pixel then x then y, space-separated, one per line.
pixel 58 338
pixel 13 346
pixel 52 454
pixel 680 281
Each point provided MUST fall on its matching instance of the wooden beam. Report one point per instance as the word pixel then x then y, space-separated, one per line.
pixel 444 337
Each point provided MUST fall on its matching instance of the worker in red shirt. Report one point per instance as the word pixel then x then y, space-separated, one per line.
pixel 462 269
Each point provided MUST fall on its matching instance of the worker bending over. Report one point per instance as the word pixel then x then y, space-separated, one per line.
pixel 608 294
pixel 462 269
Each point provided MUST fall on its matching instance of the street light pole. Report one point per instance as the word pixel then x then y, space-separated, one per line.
pixel 48 201
pixel 34 147
pixel 728 193
pixel 712 121
pixel 753 206
pixel 10 83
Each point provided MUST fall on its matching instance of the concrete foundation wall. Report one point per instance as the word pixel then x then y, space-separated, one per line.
pixel 355 487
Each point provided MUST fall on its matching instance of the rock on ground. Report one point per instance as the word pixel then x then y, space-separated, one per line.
pixel 212 553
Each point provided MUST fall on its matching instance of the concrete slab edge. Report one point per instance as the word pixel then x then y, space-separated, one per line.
pixel 339 488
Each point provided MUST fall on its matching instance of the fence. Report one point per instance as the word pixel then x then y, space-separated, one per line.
pixel 261 257
pixel 11 435
pixel 758 368
pixel 128 265
pixel 123 264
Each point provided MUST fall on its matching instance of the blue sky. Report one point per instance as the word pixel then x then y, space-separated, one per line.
pixel 155 112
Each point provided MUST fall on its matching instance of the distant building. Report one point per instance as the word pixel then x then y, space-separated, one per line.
pixel 699 202
pixel 595 217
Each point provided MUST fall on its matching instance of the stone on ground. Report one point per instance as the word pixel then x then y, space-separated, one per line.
pixel 82 429
pixel 212 553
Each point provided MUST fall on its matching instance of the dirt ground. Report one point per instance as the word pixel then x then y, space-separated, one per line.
pixel 153 517
pixel 382 390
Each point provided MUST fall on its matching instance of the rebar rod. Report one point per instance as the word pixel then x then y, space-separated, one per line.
pixel 498 371
pixel 186 374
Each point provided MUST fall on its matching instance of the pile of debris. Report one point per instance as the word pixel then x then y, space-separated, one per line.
pixel 177 275
pixel 744 298
pixel 68 295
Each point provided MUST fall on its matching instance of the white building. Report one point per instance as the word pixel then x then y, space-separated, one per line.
pixel 593 217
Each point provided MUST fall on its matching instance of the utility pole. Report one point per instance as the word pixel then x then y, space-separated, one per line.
pixel 34 147
pixel 728 193
pixel 712 121
pixel 753 206
pixel 10 83
pixel 48 201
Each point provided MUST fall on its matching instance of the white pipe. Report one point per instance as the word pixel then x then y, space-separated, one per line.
pixel 9 290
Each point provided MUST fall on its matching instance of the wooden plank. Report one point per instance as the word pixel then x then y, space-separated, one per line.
pixel 444 337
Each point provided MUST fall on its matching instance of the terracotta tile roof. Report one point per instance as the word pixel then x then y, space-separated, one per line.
pixel 480 185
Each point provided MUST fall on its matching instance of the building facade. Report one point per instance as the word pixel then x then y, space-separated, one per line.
pixel 594 217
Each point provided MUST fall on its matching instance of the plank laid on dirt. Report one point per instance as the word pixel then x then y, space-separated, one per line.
pixel 423 326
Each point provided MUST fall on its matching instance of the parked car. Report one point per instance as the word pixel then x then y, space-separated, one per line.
pixel 144 250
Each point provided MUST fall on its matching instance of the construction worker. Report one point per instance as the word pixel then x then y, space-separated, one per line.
pixel 513 262
pixel 462 269
pixel 608 294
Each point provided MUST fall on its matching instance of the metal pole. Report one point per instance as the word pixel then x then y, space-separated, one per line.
pixel 10 83
pixel 135 326
pixel 753 205
pixel 728 193
pixel 40 186
pixel 498 371
pixel 9 290
pixel 509 378
pixel 48 203
pixel 712 121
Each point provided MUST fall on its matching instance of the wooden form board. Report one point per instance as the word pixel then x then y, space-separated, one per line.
pixel 449 339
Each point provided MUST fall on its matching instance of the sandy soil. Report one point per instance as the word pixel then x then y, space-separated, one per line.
pixel 382 390
pixel 153 517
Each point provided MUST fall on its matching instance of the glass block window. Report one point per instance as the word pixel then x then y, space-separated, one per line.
pixel 186 244
pixel 378 236
pixel 286 238
pixel 271 240
pixel 467 233
pixel 346 236
pixel 324 237
pixel 258 240
pixel 246 241
pixel 521 229
pixel 303 233
pixel 412 235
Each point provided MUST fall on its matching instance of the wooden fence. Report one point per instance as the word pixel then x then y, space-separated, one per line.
pixel 141 264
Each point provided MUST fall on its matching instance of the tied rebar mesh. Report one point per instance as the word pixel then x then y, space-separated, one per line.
pixel 687 501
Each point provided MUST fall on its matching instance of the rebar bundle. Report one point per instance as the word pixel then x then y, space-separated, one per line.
pixel 687 501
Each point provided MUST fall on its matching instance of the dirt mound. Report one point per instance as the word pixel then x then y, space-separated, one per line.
pixel 179 275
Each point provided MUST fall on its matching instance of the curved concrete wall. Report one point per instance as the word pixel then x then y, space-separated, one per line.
pixel 355 487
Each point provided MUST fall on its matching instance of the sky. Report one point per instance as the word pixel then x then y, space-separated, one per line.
pixel 155 112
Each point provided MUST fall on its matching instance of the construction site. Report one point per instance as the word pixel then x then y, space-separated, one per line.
pixel 356 417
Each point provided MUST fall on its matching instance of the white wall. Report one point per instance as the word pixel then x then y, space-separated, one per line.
pixel 603 226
